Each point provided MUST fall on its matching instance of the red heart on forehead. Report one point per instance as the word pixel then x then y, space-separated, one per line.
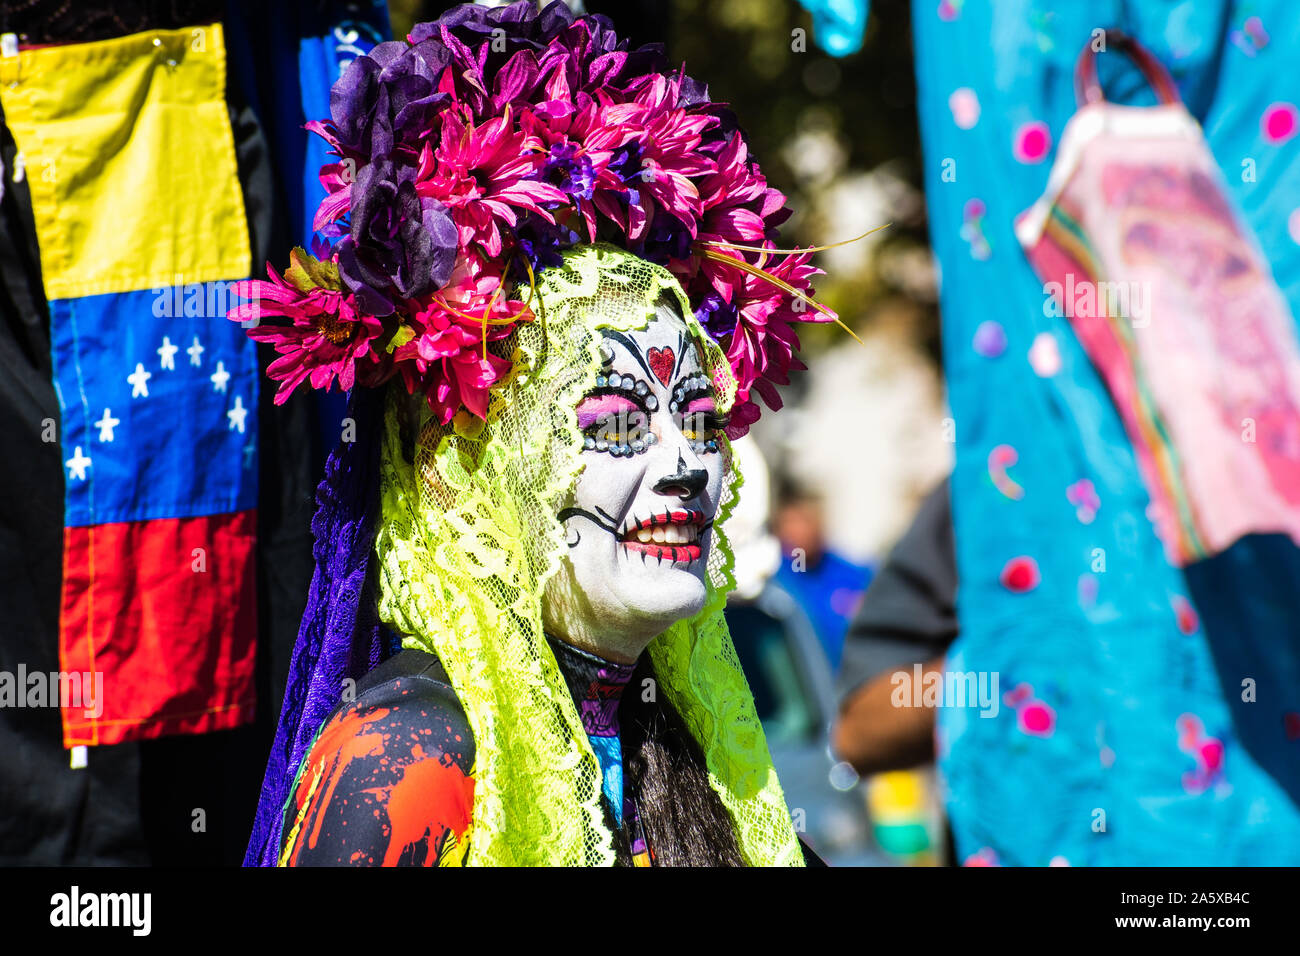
pixel 661 363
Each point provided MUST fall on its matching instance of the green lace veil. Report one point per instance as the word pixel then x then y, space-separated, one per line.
pixel 468 538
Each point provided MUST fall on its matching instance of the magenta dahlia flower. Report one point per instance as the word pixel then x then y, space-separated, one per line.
pixel 326 338
pixel 762 347
pixel 445 354
pixel 483 174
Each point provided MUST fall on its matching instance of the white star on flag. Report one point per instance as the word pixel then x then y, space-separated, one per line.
pixel 106 425
pixel 237 415
pixel 77 465
pixel 195 351
pixel 168 354
pixel 220 377
pixel 139 380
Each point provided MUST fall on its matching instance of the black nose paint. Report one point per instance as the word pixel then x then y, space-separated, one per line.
pixel 691 481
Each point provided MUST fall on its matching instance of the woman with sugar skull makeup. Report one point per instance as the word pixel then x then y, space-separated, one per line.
pixel 552 291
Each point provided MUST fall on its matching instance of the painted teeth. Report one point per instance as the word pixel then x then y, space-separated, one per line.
pixel 668 534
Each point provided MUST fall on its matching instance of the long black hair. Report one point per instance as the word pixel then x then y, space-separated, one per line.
pixel 685 821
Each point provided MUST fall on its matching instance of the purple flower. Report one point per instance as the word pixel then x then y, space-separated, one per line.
pixel 387 97
pixel 521 24
pixel 569 171
pixel 542 243
pixel 668 238
pixel 717 315
pixel 626 164
pixel 399 243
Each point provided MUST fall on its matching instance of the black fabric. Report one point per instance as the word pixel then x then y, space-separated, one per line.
pixel 909 613
pixel 409 662
pixel 49 813
pixel 809 857
pixel 74 21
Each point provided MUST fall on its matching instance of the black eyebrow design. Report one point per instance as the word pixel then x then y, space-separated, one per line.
pixel 631 346
pixel 681 350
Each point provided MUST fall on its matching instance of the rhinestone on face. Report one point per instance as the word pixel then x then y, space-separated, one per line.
pixel 638 446
pixel 589 443
pixel 672 406
pixel 652 403
pixel 651 438
pixel 615 380
pixel 616 450
pixel 641 388
pixel 711 445
pixel 600 381
pixel 626 450
pixel 602 445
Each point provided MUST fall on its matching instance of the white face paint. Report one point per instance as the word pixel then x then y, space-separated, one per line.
pixel 639 522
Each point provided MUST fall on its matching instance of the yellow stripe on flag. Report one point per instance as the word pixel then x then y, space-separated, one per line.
pixel 130 160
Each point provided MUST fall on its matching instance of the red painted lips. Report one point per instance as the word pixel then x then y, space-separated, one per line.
pixel 672 536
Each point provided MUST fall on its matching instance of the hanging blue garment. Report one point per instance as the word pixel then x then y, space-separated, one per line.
pixel 1148 715
pixel 838 25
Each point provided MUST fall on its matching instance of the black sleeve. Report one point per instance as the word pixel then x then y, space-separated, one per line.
pixel 909 613
pixel 809 857
pixel 389 780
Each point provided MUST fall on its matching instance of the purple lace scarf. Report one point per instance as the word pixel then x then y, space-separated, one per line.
pixel 340 636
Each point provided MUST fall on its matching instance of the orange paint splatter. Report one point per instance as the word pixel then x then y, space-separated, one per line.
pixel 429 800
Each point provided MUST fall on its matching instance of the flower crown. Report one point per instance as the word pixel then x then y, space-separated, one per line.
pixel 471 156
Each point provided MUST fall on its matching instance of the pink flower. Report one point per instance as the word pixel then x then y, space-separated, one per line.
pixel 327 337
pixel 729 195
pixel 743 414
pixel 444 356
pixel 337 178
pixel 481 173
pixel 762 347
pixel 667 141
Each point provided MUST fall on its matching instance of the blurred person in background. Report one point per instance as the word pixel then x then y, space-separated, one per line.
pixel 906 620
pixel 907 617
pixel 790 677
pixel 827 585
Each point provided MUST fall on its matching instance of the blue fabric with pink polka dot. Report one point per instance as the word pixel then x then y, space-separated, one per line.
pixel 1148 715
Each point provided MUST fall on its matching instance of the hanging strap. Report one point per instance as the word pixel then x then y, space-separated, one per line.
pixel 1087 89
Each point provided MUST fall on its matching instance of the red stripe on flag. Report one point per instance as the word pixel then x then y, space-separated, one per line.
pixel 166 612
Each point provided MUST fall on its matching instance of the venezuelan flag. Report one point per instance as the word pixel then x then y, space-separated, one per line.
pixel 140 219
